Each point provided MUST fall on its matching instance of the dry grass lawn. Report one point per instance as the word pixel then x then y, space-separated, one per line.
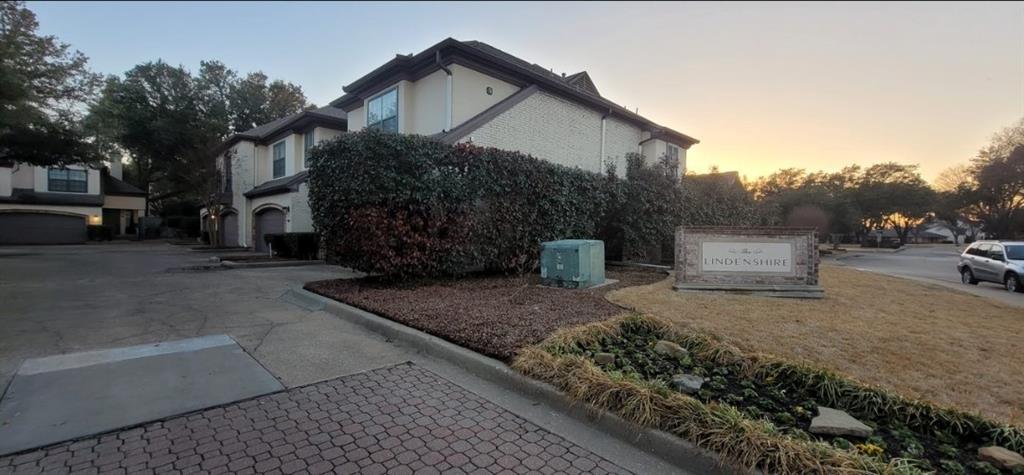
pixel 923 341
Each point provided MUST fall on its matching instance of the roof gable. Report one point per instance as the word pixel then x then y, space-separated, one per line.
pixel 493 61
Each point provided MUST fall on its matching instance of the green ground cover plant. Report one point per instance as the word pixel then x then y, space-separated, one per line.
pixel 755 410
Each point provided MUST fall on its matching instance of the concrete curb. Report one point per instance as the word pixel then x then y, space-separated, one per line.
pixel 251 265
pixel 672 449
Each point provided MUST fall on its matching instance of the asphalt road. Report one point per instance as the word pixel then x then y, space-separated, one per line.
pixel 934 264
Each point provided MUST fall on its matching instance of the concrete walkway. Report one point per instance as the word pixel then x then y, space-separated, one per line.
pixel 73 298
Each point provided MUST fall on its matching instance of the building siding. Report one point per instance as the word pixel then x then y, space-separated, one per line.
pixel 559 131
pixel 621 138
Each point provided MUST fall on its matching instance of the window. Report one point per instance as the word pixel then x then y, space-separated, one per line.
pixel 1015 253
pixel 981 250
pixel 307 143
pixel 279 159
pixel 382 112
pixel 672 151
pixel 996 253
pixel 72 181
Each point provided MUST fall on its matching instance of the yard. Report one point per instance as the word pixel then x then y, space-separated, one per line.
pixel 922 341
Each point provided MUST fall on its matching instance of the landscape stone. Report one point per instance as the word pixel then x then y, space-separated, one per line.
pixel 836 422
pixel 687 383
pixel 604 358
pixel 668 348
pixel 1001 458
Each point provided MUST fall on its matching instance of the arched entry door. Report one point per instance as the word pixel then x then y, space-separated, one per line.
pixel 268 221
pixel 229 229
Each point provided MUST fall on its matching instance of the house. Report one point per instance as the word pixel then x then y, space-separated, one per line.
pixel 469 91
pixel 454 91
pixel 264 176
pixel 40 205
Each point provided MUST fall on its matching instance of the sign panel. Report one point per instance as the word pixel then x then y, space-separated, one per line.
pixel 747 257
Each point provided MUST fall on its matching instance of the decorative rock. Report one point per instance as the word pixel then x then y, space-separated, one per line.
pixel 604 358
pixel 687 383
pixel 671 349
pixel 836 422
pixel 1001 458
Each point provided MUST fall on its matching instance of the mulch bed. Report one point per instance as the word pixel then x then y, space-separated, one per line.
pixel 493 315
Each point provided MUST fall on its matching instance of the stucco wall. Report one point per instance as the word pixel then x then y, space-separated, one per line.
pixel 137 203
pixel 94 214
pixel 549 128
pixel 469 93
pixel 242 167
pixel 301 218
pixel 357 119
pixel 5 181
pixel 23 176
pixel 426 104
pixel 41 180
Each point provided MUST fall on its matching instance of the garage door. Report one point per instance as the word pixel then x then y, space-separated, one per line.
pixel 270 221
pixel 41 228
pixel 229 230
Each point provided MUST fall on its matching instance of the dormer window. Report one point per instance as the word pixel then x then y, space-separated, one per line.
pixel 382 111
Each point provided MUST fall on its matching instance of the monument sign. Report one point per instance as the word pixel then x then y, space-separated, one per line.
pixel 773 261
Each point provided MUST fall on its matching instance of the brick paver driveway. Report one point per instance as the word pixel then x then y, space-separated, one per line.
pixel 398 419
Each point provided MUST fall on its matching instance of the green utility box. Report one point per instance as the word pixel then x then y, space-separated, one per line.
pixel 572 263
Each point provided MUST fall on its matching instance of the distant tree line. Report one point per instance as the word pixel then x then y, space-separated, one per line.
pixel 985 195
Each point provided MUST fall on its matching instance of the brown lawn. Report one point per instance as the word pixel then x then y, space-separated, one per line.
pixel 921 340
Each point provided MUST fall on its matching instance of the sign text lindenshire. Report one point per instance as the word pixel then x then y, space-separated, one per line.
pixel 756 257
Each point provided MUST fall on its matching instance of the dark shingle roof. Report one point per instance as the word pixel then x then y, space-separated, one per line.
pixel 113 186
pixel 582 80
pixel 274 126
pixel 280 185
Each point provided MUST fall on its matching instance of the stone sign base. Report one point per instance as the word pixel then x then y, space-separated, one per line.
pixel 768 261
pixel 790 291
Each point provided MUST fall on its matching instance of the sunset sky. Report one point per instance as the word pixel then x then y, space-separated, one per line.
pixel 762 85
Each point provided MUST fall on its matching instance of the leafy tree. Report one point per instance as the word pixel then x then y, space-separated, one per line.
pixel 997 199
pixel 42 87
pixel 893 194
pixel 163 116
pixel 254 102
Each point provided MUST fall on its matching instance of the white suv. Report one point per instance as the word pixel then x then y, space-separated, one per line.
pixel 993 261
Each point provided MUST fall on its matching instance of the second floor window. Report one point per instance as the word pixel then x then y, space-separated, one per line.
pixel 279 160
pixel 382 112
pixel 73 181
pixel 672 151
pixel 307 143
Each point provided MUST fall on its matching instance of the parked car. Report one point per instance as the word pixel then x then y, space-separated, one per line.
pixel 993 261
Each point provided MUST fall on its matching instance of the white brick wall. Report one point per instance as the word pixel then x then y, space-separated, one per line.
pixel 549 128
pixel 620 138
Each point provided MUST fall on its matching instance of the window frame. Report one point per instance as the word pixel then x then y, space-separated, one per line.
pixel 673 148
pixel 274 159
pixel 67 181
pixel 379 124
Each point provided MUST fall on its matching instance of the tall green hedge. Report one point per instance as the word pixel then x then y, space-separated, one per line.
pixel 406 206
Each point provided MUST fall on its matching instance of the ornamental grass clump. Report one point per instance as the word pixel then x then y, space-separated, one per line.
pixel 756 410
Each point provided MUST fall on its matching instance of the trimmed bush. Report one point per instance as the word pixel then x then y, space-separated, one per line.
pixel 406 206
pixel 294 245
pixel 96 232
